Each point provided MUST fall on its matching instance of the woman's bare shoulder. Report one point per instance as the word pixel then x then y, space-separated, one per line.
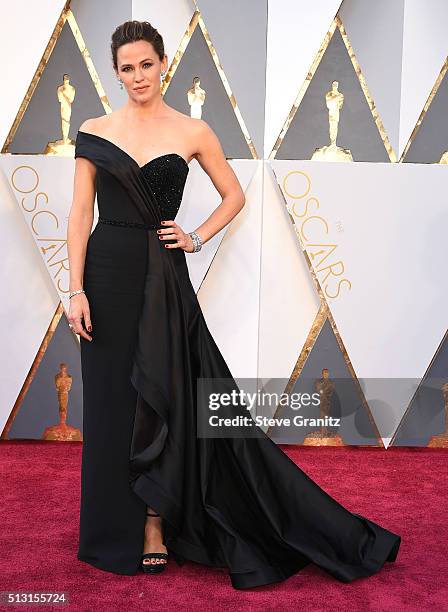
pixel 186 121
pixel 194 124
pixel 95 124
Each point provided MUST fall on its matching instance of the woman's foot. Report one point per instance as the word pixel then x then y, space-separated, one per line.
pixel 153 539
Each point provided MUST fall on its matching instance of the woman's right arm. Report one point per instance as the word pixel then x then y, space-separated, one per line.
pixel 79 227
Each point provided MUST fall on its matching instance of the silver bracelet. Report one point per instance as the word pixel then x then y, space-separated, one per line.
pixel 72 293
pixel 197 241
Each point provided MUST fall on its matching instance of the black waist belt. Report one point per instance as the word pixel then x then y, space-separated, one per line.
pixel 135 224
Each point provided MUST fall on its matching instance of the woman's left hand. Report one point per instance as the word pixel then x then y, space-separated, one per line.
pixel 173 231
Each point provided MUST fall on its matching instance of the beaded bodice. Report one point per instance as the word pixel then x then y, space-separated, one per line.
pixel 129 194
pixel 166 176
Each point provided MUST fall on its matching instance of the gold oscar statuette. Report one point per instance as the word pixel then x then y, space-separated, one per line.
pixel 65 146
pixel 196 98
pixel 323 436
pixel 62 431
pixel 441 441
pixel 334 99
pixel 444 158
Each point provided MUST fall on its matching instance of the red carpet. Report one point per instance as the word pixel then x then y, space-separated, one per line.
pixel 403 489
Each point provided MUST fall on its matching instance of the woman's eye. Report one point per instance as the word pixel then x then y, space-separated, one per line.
pixel 147 64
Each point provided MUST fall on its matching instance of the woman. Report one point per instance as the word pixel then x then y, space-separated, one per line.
pixel 149 483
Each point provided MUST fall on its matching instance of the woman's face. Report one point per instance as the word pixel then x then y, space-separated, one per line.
pixel 139 67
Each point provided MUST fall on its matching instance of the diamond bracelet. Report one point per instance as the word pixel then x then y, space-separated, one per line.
pixel 72 293
pixel 197 241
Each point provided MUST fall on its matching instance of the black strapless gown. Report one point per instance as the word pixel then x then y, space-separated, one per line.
pixel 239 504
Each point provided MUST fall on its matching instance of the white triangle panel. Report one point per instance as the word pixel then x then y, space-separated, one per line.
pixel 229 295
pixel 288 298
pixel 425 48
pixel 30 299
pixel 199 201
pixel 378 253
pixel 45 204
pixel 23 42
pixel 295 34
pixel 375 31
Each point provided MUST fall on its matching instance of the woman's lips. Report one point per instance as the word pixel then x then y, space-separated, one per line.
pixel 140 88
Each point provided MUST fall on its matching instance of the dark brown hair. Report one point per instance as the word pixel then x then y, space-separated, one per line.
pixel 132 31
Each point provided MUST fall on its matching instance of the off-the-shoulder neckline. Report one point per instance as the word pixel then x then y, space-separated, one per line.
pixel 150 161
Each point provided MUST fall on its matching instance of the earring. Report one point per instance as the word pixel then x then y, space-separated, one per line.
pixel 121 83
pixel 162 75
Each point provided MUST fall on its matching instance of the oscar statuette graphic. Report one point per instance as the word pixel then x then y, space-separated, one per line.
pixel 196 98
pixel 444 158
pixel 65 146
pixel 334 100
pixel 323 436
pixel 441 440
pixel 62 431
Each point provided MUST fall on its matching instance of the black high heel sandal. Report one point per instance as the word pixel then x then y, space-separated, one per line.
pixel 153 568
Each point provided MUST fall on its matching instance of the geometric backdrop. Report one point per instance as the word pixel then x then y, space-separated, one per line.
pixel 333 275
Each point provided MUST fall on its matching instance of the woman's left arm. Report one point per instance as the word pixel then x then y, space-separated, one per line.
pixel 211 158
